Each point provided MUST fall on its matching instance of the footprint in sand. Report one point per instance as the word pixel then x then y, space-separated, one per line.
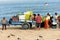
pixel 12 34
pixel 40 38
pixel 37 39
pixel 18 39
pixel 9 36
pixel 57 39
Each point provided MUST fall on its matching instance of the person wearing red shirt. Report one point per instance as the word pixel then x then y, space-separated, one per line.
pixel 38 21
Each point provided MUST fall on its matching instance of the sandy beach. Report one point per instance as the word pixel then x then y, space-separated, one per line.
pixel 30 34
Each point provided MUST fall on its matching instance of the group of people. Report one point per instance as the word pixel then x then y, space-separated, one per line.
pixel 38 21
pixel 48 20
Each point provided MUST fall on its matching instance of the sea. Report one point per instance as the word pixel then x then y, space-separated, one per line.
pixel 10 9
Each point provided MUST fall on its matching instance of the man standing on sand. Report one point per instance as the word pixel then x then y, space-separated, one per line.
pixel 56 16
pixel 38 21
pixel 56 19
pixel 4 21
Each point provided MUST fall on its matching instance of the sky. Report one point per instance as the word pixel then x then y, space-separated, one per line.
pixel 9 1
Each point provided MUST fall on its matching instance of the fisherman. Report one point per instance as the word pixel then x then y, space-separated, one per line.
pixel 56 19
pixel 4 22
pixel 38 21
pixel 47 21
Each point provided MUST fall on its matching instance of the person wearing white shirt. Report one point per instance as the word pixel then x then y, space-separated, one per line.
pixel 56 19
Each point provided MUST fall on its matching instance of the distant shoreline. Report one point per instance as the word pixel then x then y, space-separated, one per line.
pixel 26 2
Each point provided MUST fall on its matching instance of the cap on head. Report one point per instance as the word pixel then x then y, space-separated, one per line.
pixel 3 17
pixel 38 14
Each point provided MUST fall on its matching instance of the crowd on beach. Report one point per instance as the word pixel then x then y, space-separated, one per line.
pixel 37 20
pixel 47 22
